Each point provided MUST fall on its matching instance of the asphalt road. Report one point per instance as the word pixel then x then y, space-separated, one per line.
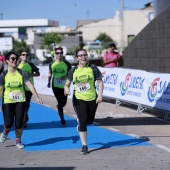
pixel 125 120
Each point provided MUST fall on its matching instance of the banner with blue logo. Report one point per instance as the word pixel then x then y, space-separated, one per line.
pixel 151 89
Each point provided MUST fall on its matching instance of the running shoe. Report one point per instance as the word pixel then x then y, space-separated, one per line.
pixel 19 145
pixel 84 150
pixel 3 137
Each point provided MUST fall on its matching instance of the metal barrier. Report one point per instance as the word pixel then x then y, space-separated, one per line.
pixel 141 108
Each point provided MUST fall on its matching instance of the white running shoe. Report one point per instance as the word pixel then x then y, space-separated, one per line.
pixel 19 145
pixel 3 137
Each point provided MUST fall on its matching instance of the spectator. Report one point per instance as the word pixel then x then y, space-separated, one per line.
pixel 111 57
pixel 2 61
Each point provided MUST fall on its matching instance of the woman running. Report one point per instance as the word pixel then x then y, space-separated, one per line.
pixel 58 71
pixel 12 82
pixel 33 72
pixel 85 98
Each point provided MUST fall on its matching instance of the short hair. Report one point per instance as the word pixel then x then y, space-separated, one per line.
pixel 23 50
pixel 58 48
pixel 112 45
pixel 76 53
pixel 7 56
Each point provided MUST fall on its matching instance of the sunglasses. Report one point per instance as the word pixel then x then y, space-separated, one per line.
pixel 24 55
pixel 13 59
pixel 59 53
pixel 81 55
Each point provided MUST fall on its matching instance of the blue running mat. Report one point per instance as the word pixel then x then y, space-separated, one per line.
pixel 45 133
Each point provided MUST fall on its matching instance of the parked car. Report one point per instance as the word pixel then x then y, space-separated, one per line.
pixel 93 45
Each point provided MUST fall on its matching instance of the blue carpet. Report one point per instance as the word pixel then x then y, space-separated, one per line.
pixel 45 133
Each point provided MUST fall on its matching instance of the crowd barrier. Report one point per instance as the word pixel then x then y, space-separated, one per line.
pixel 146 89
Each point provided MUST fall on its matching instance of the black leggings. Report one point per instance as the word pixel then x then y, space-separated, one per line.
pixel 61 99
pixel 14 111
pixel 85 111
pixel 28 95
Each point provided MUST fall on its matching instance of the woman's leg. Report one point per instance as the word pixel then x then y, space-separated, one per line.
pixel 62 100
pixel 8 116
pixel 19 117
pixel 81 111
pixel 28 96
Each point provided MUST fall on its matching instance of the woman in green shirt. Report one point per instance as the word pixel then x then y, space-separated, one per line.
pixel 12 82
pixel 33 72
pixel 85 98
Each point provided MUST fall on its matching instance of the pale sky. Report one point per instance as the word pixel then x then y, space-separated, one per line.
pixel 66 12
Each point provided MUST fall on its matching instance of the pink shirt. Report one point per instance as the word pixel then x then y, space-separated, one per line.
pixel 2 60
pixel 109 56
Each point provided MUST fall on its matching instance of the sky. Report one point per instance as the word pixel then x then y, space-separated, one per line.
pixel 66 12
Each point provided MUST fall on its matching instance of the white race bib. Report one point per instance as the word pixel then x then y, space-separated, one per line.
pixel 82 87
pixel 16 96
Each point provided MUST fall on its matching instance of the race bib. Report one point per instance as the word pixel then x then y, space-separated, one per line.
pixel 59 81
pixel 82 87
pixel 15 96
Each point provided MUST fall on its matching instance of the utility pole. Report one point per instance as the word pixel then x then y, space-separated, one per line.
pixel 87 14
pixel 122 45
pixel 1 14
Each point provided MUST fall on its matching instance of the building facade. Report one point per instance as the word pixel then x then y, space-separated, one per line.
pixel 150 49
pixel 121 29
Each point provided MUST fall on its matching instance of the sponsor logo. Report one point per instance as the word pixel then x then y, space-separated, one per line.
pixel 124 85
pixel 152 91
pixel 131 82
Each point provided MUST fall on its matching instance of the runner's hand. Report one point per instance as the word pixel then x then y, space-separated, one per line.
pixel 39 101
pixel 99 99
pixel 66 91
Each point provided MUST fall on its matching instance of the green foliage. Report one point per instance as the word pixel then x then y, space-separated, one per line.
pixel 18 46
pixel 106 39
pixel 103 37
pixel 72 50
pixel 50 39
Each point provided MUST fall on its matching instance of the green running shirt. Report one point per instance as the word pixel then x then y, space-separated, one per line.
pixel 58 70
pixel 13 86
pixel 29 68
pixel 84 81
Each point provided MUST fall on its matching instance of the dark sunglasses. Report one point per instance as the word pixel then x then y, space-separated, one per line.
pixel 13 59
pixel 24 54
pixel 59 53
pixel 81 55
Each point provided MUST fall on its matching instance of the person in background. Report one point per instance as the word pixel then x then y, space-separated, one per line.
pixel 85 98
pixel 58 71
pixel 2 62
pixel 111 57
pixel 12 82
pixel 33 72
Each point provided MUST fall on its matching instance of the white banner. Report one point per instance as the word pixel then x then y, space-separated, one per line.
pixel 141 87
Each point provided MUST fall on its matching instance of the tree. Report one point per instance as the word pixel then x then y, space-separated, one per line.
pixel 103 37
pixel 106 39
pixel 51 39
pixel 18 46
